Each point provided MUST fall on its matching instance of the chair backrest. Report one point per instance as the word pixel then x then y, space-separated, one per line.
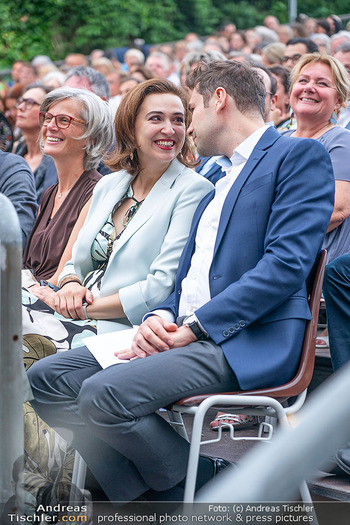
pixel 303 376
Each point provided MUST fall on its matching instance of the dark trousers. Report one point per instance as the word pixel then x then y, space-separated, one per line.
pixel 111 413
pixel 336 290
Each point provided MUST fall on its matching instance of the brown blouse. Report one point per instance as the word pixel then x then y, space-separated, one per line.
pixel 49 238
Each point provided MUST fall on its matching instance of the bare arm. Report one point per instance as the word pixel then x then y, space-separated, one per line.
pixel 67 253
pixel 108 307
pixel 69 301
pixel 341 204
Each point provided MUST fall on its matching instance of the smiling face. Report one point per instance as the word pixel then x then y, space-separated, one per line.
pixel 65 143
pixel 160 130
pixel 314 95
pixel 28 119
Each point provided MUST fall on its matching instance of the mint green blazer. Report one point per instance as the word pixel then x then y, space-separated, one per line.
pixel 144 261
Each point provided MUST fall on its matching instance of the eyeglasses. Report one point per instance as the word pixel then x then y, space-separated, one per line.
pixel 293 58
pixel 28 103
pixel 62 121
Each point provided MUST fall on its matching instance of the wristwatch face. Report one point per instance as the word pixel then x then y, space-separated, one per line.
pixel 6 134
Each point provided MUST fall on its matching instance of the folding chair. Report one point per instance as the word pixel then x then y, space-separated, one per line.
pixel 271 402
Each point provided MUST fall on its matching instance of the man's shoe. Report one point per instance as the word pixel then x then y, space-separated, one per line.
pixel 342 459
pixel 220 464
pixel 210 468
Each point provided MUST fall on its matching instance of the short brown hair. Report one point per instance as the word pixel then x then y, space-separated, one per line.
pixel 239 80
pixel 125 155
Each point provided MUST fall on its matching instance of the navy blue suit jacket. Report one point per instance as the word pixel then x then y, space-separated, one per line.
pixel 215 172
pixel 271 229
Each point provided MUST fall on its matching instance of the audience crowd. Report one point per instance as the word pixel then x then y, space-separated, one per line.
pixel 65 153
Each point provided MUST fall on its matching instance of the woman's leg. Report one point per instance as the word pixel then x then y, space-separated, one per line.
pixel 56 382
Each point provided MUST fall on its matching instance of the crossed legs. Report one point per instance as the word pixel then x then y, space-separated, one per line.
pixel 112 412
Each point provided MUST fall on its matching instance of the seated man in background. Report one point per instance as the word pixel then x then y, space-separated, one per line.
pixel 17 183
pixel 240 298
pixel 336 290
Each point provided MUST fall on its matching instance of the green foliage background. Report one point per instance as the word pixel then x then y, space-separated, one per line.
pixel 56 27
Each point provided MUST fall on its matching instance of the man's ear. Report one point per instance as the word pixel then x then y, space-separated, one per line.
pixel 220 98
pixel 274 99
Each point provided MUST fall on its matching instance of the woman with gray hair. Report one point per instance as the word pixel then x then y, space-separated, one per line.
pixel 76 132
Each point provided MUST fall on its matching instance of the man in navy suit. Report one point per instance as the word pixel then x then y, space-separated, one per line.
pixel 237 316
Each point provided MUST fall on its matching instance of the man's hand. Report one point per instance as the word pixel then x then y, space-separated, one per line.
pixel 183 337
pixel 154 335
pixel 157 335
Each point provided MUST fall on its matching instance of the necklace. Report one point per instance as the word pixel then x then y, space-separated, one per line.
pixel 130 212
pixel 62 193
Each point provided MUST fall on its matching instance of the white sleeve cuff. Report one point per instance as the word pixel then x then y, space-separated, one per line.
pixel 164 314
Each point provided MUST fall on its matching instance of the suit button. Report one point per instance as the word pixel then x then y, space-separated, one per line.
pixel 242 324
pixel 226 333
pixel 231 330
pixel 236 327
pixel 179 292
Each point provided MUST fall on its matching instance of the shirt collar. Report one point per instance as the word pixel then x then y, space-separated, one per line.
pixel 243 151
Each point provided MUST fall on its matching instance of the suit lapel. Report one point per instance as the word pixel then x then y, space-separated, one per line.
pixel 114 192
pixel 269 137
pixel 156 198
pixel 203 160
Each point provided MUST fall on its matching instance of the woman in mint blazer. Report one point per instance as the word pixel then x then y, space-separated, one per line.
pixel 125 259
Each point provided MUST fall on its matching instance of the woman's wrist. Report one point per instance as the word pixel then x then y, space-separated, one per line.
pixel 72 278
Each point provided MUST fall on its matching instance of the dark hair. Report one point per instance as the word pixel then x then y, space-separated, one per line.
pixel 145 72
pixel 310 45
pixel 273 81
pixel 29 65
pixel 325 25
pixel 129 77
pixel 283 74
pixel 240 81
pixel 125 155
pixel 35 85
pixel 338 24
pixel 14 91
pixel 241 34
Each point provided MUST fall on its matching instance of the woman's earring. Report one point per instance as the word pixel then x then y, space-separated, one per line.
pixel 334 118
pixel 291 119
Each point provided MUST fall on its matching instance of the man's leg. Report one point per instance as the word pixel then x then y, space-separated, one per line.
pixel 336 291
pixel 118 407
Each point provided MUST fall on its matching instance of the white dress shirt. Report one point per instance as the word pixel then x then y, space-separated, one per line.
pixel 195 286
